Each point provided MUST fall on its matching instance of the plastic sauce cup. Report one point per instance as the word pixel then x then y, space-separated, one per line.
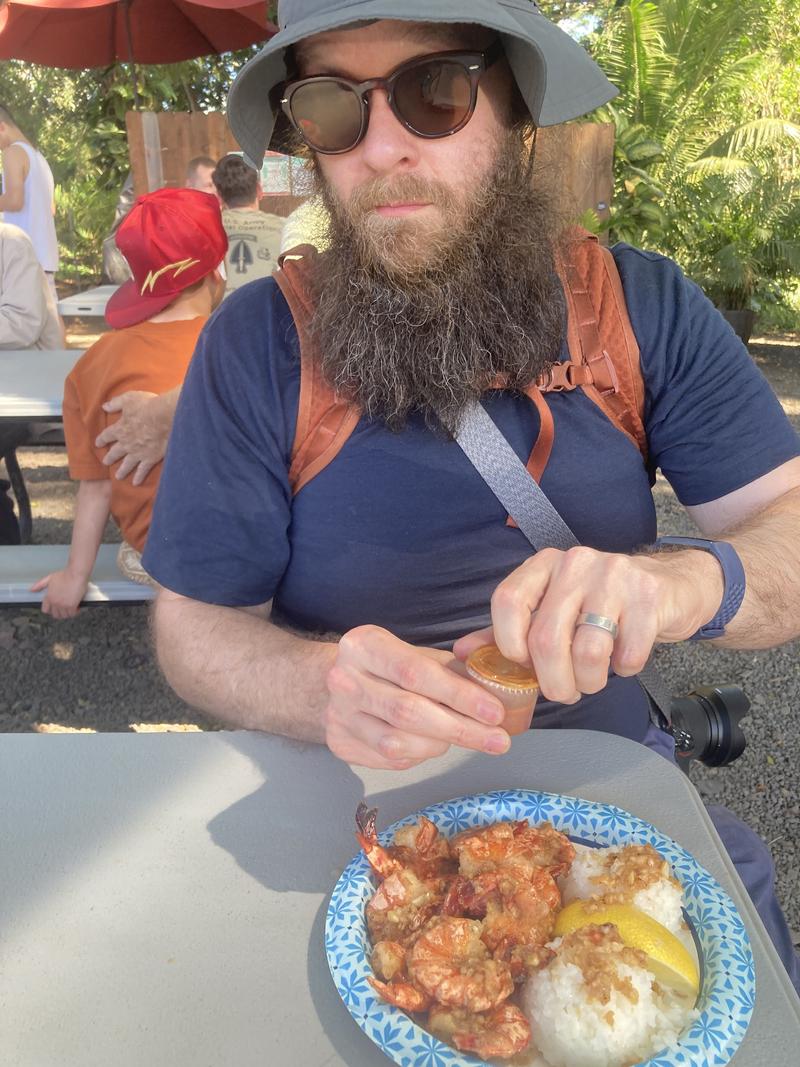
pixel 515 686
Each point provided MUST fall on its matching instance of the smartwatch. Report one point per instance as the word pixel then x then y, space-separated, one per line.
pixel 732 573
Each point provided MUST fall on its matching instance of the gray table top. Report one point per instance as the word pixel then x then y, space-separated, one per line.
pixel 164 895
pixel 32 382
pixel 91 303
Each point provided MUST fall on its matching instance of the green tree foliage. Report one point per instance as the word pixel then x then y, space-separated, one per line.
pixel 707 162
pixel 747 249
pixel 708 133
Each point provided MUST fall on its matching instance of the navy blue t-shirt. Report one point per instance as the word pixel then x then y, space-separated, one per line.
pixel 400 530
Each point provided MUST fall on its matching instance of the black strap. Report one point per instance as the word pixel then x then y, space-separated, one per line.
pixel 521 495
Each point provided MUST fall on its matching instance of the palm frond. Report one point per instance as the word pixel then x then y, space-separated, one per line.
pixel 727 166
pixel 631 50
pixel 753 136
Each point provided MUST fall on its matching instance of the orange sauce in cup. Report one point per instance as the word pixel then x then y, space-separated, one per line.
pixel 515 686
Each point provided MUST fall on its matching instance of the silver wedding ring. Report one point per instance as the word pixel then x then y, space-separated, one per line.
pixel 588 618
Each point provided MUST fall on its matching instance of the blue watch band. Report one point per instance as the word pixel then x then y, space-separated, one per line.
pixel 733 574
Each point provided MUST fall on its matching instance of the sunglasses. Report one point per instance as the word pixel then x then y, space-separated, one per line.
pixel 432 96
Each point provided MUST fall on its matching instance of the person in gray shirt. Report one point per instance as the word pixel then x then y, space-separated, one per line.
pixel 28 313
pixel 254 236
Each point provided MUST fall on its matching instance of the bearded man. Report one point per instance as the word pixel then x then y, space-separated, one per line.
pixel 439 287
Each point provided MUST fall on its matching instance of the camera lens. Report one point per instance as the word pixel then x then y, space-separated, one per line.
pixel 705 724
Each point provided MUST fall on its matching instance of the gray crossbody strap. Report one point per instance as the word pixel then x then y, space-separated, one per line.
pixel 520 494
pixel 507 476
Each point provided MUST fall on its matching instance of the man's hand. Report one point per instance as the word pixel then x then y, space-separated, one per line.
pixel 658 598
pixel 65 591
pixel 392 705
pixel 139 437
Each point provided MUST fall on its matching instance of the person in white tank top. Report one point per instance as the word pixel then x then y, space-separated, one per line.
pixel 27 200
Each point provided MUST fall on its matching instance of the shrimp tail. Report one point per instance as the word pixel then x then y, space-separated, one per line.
pixel 365 820
pixel 378 857
pixel 427 835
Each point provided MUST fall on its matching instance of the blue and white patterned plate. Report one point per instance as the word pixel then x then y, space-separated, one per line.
pixel 728 976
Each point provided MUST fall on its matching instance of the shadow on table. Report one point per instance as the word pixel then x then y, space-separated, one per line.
pixel 281 834
pixel 305 810
pixel 304 815
pixel 294 834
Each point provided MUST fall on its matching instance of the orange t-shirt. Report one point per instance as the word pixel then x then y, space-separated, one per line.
pixel 151 356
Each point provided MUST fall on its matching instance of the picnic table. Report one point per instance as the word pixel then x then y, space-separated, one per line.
pixel 164 895
pixel 32 382
pixel 31 388
pixel 91 303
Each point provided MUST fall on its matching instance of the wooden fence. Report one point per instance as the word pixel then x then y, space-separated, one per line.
pixel 575 159
pixel 160 145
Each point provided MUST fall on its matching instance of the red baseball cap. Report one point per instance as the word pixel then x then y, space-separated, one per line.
pixel 171 239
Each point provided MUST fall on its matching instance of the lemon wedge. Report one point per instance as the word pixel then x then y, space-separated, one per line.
pixel 667 959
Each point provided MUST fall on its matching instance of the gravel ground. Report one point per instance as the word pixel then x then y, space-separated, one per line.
pixel 97 672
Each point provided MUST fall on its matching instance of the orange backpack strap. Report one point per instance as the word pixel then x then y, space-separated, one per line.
pixel 604 352
pixel 538 458
pixel 324 422
pixel 603 349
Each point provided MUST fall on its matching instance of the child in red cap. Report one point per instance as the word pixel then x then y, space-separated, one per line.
pixel 174 242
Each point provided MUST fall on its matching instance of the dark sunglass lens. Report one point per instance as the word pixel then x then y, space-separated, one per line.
pixel 328 114
pixel 434 97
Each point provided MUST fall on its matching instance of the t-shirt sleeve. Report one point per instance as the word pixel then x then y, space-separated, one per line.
pixel 79 434
pixel 219 532
pixel 713 422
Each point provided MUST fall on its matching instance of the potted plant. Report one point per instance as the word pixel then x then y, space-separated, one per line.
pixel 744 244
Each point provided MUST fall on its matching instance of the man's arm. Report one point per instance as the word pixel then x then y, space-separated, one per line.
pixel 379 702
pixel 65 589
pixel 237 666
pixel 762 522
pixel 15 163
pixel 655 598
pixel 139 436
pixel 23 303
pixel 372 698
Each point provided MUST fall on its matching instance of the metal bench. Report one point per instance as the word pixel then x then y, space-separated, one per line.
pixel 22 565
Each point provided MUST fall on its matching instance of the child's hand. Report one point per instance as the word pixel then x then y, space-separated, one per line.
pixel 64 592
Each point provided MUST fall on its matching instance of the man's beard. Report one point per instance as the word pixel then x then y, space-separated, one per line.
pixel 413 320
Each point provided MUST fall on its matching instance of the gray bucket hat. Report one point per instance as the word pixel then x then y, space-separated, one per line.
pixel 557 78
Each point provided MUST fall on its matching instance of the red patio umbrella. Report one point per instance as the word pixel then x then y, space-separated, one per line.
pixel 98 33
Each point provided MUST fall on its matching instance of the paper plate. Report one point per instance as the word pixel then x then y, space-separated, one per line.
pixel 727 992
